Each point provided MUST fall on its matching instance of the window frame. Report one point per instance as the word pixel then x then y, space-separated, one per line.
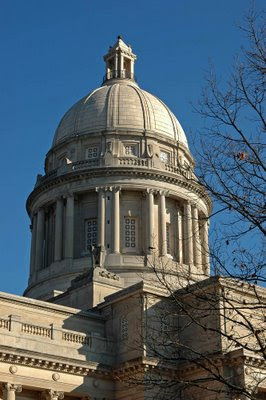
pixel 93 146
pixel 168 153
pixel 130 249
pixel 94 219
pixel 131 144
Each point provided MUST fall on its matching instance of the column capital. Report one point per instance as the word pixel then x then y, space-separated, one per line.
pixel 151 191
pixel 163 192
pixel 68 195
pixel 10 387
pixel 53 395
pixel 117 189
pixel 59 198
pixel 194 204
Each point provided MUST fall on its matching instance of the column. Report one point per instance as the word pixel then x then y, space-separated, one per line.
pixel 69 230
pixel 131 69
pixel 188 233
pixel 115 74
pixel 122 72
pixel 180 236
pixel 53 395
pixel 116 219
pixel 196 237
pixel 150 221
pixel 205 247
pixel 39 240
pixel 33 243
pixel 10 390
pixel 58 230
pixel 101 217
pixel 163 224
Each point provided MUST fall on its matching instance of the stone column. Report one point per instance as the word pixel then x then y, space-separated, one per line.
pixel 33 243
pixel 58 229
pixel 196 237
pixel 163 223
pixel 69 230
pixel 115 75
pixel 39 240
pixel 121 66
pixel 101 217
pixel 188 233
pixel 205 248
pixel 10 390
pixel 180 236
pixel 53 395
pixel 150 219
pixel 116 219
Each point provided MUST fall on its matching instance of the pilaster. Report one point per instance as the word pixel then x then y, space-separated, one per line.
pixel 39 240
pixel 58 229
pixel 116 219
pixel 69 238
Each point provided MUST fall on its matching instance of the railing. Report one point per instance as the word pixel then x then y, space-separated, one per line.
pixel 94 162
pixel 177 169
pixel 140 162
pixel 36 330
pixel 76 338
pixel 55 334
pixel 4 323
pixel 117 162
pixel 119 74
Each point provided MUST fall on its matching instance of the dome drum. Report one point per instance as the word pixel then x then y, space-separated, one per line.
pixel 119 187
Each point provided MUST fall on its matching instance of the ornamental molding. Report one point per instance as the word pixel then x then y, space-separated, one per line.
pixel 140 173
pixel 69 367
pixel 45 306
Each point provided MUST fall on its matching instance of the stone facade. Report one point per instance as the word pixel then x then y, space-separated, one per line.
pixel 119 222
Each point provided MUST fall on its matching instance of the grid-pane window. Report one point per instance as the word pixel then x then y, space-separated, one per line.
pixel 168 250
pixel 164 157
pixel 90 232
pixel 92 152
pixel 130 150
pixel 130 229
pixel 124 328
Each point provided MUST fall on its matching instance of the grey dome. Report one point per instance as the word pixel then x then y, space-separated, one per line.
pixel 121 105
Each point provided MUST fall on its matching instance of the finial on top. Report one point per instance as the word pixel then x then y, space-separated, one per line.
pixel 119 37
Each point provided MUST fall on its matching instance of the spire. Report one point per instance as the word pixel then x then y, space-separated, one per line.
pixel 119 61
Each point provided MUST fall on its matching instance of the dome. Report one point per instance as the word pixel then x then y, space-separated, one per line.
pixel 120 105
pixel 119 181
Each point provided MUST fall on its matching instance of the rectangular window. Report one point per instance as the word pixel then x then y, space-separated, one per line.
pixel 123 328
pixel 92 152
pixel 130 233
pixel 165 157
pixel 131 150
pixel 168 247
pixel 90 233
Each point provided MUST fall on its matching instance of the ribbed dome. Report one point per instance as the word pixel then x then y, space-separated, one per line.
pixel 121 105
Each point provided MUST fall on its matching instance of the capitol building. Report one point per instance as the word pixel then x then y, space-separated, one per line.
pixel 119 225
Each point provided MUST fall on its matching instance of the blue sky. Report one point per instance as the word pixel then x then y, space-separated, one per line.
pixel 51 55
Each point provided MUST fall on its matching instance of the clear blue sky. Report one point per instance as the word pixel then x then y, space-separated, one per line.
pixel 51 55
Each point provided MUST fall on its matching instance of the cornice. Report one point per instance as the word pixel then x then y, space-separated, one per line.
pixel 124 171
pixel 58 364
pixel 50 307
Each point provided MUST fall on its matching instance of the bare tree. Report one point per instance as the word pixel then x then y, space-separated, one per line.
pixel 232 156
pixel 207 340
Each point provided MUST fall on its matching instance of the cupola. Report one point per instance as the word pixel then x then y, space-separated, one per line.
pixel 119 62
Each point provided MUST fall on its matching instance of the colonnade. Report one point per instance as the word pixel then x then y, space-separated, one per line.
pixel 9 392
pixel 191 236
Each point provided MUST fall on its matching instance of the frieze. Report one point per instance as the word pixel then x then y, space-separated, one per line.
pixel 65 367
pixel 147 174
